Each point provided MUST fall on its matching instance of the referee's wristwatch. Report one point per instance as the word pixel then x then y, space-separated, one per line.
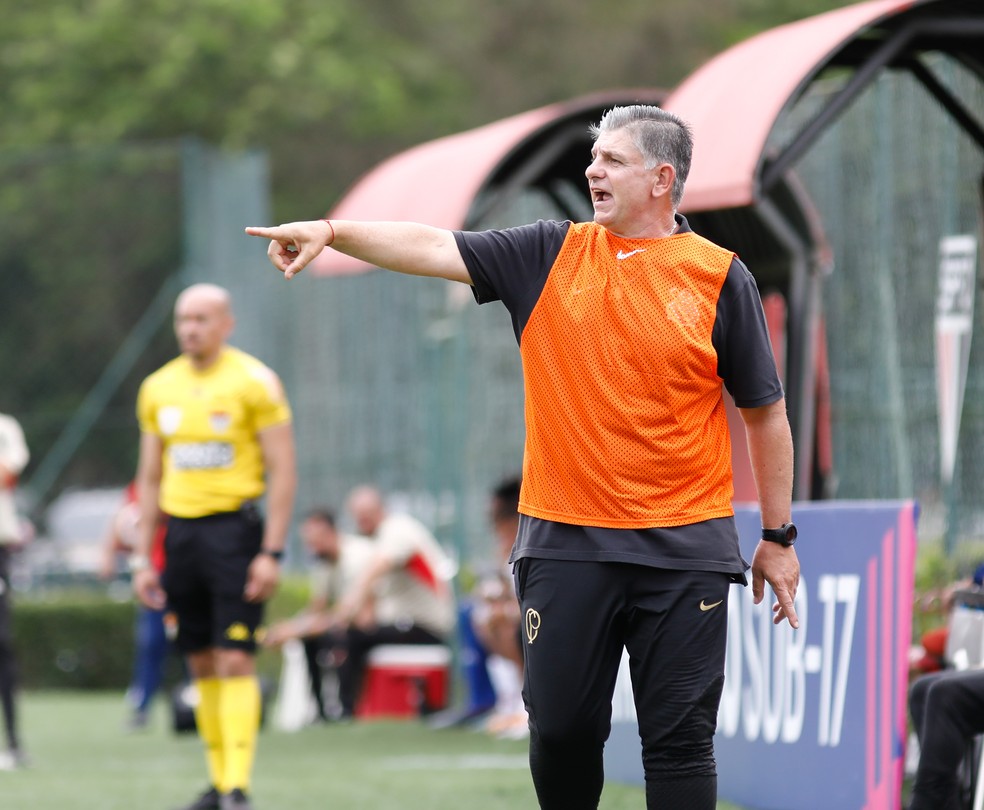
pixel 276 554
pixel 138 562
pixel 785 535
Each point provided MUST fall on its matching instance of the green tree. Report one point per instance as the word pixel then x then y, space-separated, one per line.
pixel 327 87
pixel 330 86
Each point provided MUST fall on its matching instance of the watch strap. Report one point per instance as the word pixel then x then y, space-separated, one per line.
pixel 785 535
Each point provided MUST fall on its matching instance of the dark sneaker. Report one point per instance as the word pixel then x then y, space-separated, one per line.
pixel 235 799
pixel 209 800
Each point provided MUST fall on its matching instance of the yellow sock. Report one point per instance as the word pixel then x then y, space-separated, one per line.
pixel 239 716
pixel 209 728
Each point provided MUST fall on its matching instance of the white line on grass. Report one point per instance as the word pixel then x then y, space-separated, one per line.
pixel 469 762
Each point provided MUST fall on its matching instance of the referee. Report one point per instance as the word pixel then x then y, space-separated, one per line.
pixel 215 434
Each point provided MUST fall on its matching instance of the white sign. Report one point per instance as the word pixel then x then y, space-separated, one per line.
pixel 954 324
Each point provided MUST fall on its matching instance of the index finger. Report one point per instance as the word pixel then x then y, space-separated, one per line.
pixel 264 232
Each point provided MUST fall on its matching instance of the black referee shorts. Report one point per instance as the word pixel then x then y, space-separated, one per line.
pixel 578 616
pixel 205 575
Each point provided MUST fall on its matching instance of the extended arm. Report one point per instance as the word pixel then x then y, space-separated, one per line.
pixel 770 448
pixel 353 604
pixel 405 247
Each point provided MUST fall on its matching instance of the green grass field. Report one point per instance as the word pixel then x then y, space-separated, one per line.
pixel 82 759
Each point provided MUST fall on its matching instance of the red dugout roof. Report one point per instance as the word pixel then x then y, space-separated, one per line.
pixel 734 100
pixel 733 103
pixel 433 183
pixel 437 182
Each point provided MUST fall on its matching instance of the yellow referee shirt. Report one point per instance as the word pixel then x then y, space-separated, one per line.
pixel 209 422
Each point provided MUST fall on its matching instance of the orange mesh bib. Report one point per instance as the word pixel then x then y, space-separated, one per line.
pixel 625 421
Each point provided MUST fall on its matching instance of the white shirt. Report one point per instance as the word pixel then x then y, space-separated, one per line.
pixel 417 590
pixel 331 580
pixel 13 457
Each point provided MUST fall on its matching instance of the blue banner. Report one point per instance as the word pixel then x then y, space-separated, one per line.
pixel 815 717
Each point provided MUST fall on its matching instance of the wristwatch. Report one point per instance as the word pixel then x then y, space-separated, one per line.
pixel 785 535
pixel 277 555
pixel 138 562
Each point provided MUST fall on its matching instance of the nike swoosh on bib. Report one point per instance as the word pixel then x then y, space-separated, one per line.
pixel 622 255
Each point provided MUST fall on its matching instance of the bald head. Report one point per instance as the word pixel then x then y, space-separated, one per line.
pixel 203 322
pixel 206 293
pixel 365 504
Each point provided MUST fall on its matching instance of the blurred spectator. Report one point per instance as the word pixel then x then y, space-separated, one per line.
pixel 930 654
pixel 497 619
pixel 14 456
pixel 947 711
pixel 405 584
pixel 946 700
pixel 489 627
pixel 150 634
pixel 339 561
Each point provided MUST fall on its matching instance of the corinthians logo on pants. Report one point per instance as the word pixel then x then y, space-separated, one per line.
pixel 532 625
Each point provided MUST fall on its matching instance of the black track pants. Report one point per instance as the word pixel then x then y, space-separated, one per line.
pixel 947 710
pixel 577 617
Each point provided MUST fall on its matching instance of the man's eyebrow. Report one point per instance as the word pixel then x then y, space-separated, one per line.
pixel 609 154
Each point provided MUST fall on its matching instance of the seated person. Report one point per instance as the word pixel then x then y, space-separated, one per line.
pixel 339 561
pixel 947 711
pixel 947 707
pixel 489 626
pixel 408 582
pixel 402 595
pixel 930 654
pixel 497 620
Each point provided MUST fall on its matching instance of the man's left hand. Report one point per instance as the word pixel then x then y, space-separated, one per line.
pixel 262 579
pixel 779 566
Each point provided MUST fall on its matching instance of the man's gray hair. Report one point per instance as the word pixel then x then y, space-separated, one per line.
pixel 660 136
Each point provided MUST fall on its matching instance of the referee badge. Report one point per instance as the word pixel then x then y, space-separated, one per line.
pixel 219 421
pixel 168 419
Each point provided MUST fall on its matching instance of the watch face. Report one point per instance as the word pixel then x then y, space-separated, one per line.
pixel 785 534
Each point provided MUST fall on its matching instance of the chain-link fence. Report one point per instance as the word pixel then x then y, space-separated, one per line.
pixel 396 381
pixel 891 178
pixel 405 382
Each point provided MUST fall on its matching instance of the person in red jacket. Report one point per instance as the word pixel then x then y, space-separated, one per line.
pixel 151 633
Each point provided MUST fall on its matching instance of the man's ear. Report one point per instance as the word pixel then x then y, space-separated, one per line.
pixel 663 180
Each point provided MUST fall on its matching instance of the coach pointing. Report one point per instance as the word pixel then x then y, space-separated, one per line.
pixel 629 328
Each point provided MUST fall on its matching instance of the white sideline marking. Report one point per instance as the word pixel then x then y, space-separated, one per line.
pixel 471 762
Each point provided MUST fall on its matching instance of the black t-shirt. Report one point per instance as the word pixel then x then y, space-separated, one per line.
pixel 512 266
